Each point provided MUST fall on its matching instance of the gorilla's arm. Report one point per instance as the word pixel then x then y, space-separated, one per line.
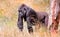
pixel 31 16
pixel 29 25
pixel 20 21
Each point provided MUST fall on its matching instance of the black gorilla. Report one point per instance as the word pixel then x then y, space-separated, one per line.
pixel 31 17
pixel 28 14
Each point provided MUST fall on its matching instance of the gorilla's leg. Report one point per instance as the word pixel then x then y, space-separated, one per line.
pixel 46 20
pixel 29 25
pixel 20 21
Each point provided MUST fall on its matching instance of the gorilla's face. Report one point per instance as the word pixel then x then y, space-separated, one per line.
pixel 23 10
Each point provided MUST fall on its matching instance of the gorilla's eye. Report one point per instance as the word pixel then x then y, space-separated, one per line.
pixel 24 9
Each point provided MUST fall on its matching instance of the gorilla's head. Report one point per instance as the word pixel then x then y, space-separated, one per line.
pixel 23 8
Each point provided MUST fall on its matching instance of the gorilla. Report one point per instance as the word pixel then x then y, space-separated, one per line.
pixel 30 16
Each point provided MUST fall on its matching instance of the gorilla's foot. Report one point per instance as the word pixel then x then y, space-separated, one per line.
pixel 30 30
